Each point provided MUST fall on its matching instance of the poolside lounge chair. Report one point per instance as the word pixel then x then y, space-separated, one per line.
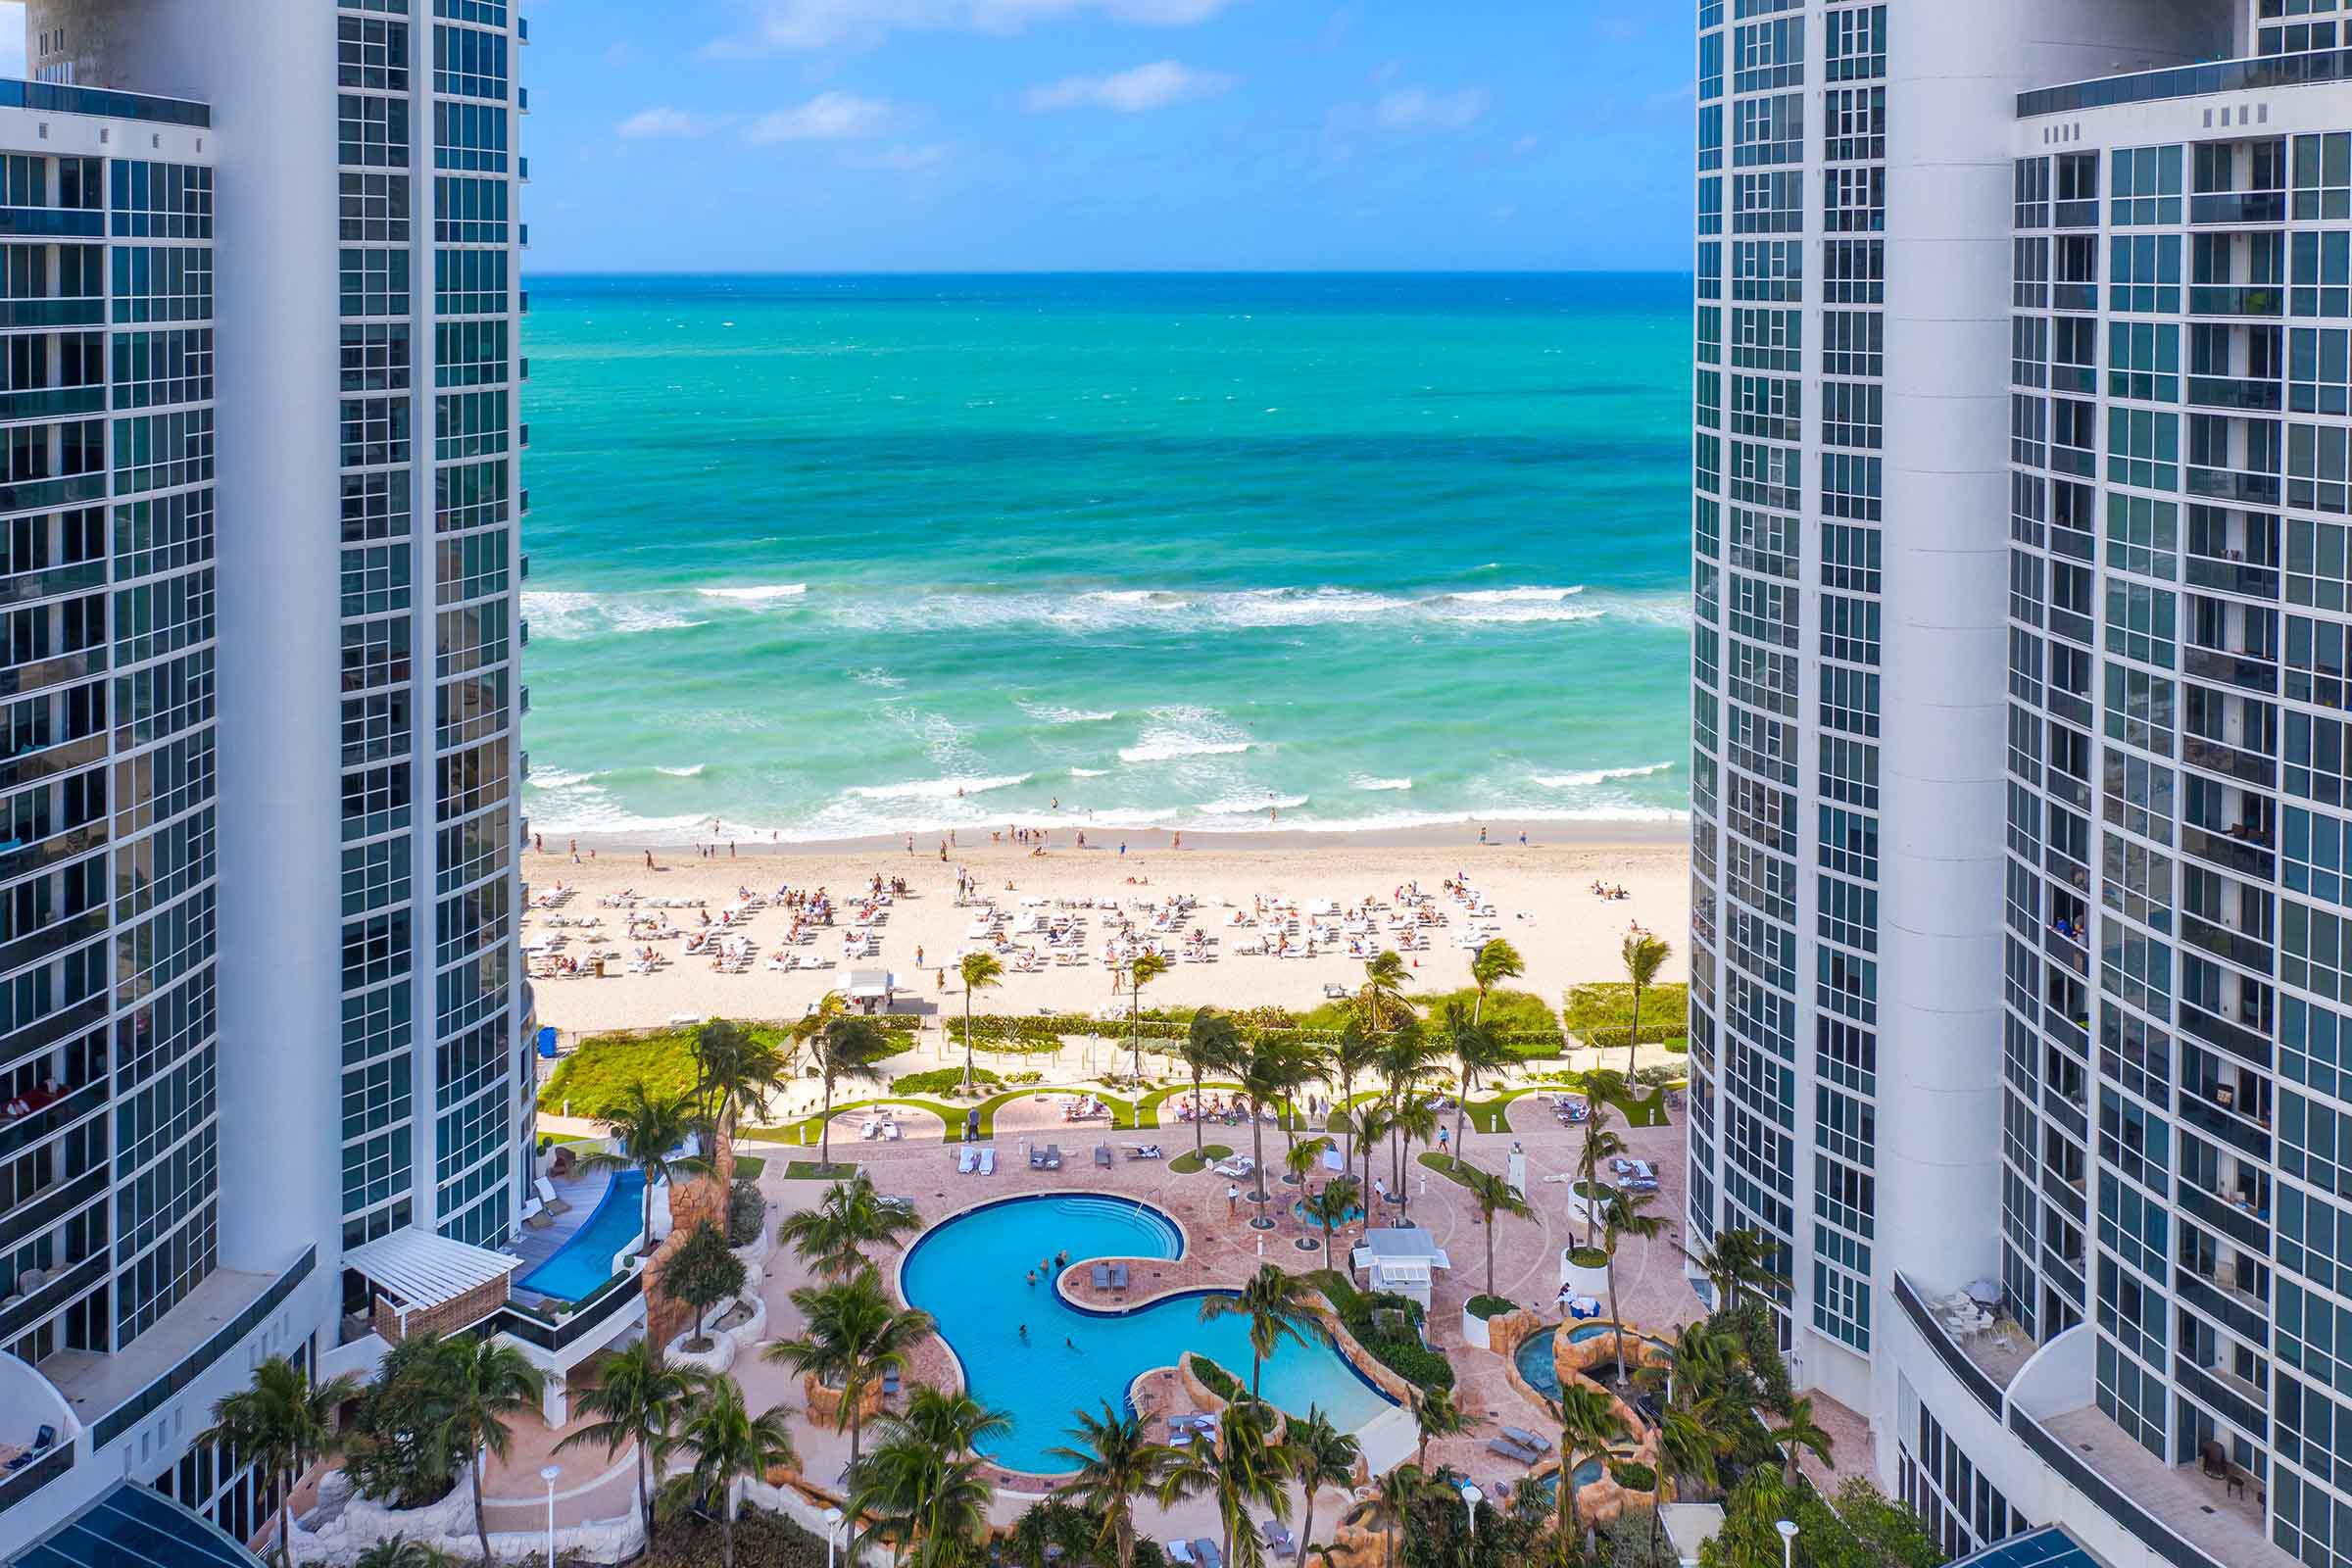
pixel 1145 1152
pixel 547 1196
pixel 1102 1276
pixel 1513 1451
pixel 1118 1276
pixel 967 1159
pixel 1278 1539
pixel 1051 1156
pixel 536 1216
pixel 1205 1553
pixel 890 1381
pixel 1528 1439
pixel 1102 1155
pixel 1178 1549
pixel 988 1163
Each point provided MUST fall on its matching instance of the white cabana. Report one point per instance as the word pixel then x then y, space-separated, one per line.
pixel 868 986
pixel 419 1269
pixel 1398 1261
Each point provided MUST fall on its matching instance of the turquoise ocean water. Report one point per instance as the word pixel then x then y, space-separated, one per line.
pixel 812 555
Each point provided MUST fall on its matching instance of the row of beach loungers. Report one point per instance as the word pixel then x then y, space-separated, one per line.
pixel 1520 1445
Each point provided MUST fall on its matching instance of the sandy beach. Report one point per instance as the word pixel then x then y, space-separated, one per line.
pixel 1540 896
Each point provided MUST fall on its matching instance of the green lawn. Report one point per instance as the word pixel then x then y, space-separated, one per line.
pixel 806 1128
pixel 810 1170
pixel 1445 1166
pixel 1186 1163
pixel 749 1166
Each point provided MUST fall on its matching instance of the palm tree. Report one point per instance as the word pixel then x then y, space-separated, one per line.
pixel 648 1128
pixel 1798 1430
pixel 1269 1070
pixel 852 1216
pixel 1242 1471
pixel 1477 1049
pixel 1275 1302
pixel 849 1048
pixel 981 973
pixel 1736 1262
pixel 1622 1216
pixel 1332 1206
pixel 1643 956
pixel 1601 1144
pixel 1142 969
pixel 1394 1490
pixel 1355 1053
pixel 1700 1366
pixel 728 1445
pixel 1413 1120
pixel 1688 1447
pixel 1287 1073
pixel 733 1066
pixel 1303 1157
pixel 484 1384
pixel 853 1335
pixel 279 1422
pixel 921 1487
pixel 1434 1415
pixel 1494 1197
pixel 1117 1465
pixel 1371 1126
pixel 1381 1001
pixel 1494 962
pixel 1407 1057
pixel 636 1400
pixel 1320 1455
pixel 1212 1044
pixel 399 1551
pixel 1589 1424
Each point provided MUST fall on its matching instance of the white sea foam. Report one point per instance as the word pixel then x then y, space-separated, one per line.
pixel 566 616
pixel 756 595
pixel 1168 751
pixel 1090 613
pixel 1598 775
pixel 937 788
pixel 1088 772
pixel 1364 783
pixel 877 677
pixel 1051 713
pixel 683 772
pixel 556 778
pixel 1244 805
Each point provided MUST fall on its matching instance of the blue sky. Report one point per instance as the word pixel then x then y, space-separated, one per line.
pixel 821 135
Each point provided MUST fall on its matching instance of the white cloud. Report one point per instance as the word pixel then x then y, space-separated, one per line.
pixel 1130 92
pixel 651 122
pixel 861 23
pixel 1419 109
pixel 827 116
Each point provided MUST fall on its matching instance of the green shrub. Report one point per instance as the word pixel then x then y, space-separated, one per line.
pixel 1216 1379
pixel 1588 1256
pixel 1598 1013
pixel 1633 1476
pixel 1401 1352
pixel 937 1081
pixel 1680 1047
pixel 597 1074
pixel 746 1210
pixel 1486 1307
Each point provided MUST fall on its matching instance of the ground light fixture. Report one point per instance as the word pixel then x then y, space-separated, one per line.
pixel 1788 1530
pixel 832 1532
pixel 1471 1498
pixel 549 1474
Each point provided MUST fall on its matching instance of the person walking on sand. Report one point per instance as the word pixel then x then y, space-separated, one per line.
pixel 648 860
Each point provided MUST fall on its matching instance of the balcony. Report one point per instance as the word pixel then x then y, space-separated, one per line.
pixel 2237 206
pixel 2188 81
pixel 20 313
pixel 2183 1518
pixel 2233 578
pixel 53 1292
pixel 2238 1220
pixel 50 1113
pixel 2244 393
pixel 2250 769
pixel 2224 942
pixel 2240 489
pixel 2235 299
pixel 2244 671
pixel 47 582
pixel 43 1033
pixel 38 494
pixel 2245 856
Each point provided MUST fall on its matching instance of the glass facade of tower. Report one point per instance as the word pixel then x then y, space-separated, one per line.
pixel 108 1122
pixel 435 1076
pixel 1785 661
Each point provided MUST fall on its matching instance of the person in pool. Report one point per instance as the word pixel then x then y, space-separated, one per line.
pixel 1024 1333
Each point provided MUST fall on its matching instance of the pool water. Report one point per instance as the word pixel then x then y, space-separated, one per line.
pixel 969 1274
pixel 1354 1214
pixel 585 1261
pixel 1585 1474
pixel 1536 1365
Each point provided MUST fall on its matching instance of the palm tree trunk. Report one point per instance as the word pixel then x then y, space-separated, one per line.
pixel 1348 1110
pixel 1198 1144
pixel 1461 1110
pixel 645 1496
pixel 1134 1039
pixel 645 1218
pixel 1123 1537
pixel 726 1528
pixel 1307 1524
pixel 1258 1155
pixel 1633 1041
pixel 1616 1318
pixel 481 1520
pixel 1328 1222
pixel 967 1034
pixel 824 1132
pixel 285 1522
pixel 1491 1256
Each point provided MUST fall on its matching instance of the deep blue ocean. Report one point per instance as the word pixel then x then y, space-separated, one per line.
pixel 837 555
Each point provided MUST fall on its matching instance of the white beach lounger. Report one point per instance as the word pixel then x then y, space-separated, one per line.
pixel 547 1196
pixel 988 1163
pixel 967 1161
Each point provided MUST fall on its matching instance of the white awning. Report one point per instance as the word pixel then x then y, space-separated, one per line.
pixel 1400 1271
pixel 422 1269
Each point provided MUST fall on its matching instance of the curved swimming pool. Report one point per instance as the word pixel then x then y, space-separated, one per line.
pixel 585 1261
pixel 970 1274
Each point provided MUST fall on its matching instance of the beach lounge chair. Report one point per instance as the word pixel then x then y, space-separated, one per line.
pixel 1205 1553
pixel 1178 1551
pixel 988 1163
pixel 547 1196
pixel 1102 1276
pixel 1512 1451
pixel 890 1381
pixel 1102 1155
pixel 1528 1439
pixel 1278 1539
pixel 967 1159
pixel 1037 1160
pixel 535 1216
pixel 1118 1276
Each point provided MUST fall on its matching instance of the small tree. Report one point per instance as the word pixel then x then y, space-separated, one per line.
pixel 280 1422
pixel 1141 970
pixel 1643 956
pixel 1494 1197
pixel 851 1048
pixel 649 1127
pixel 702 1273
pixel 1622 1216
pixel 1275 1302
pixel 1212 1044
pixel 1331 1204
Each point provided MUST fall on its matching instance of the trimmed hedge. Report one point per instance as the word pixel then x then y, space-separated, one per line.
pixel 747 1211
pixel 1217 1380
pixel 937 1081
pixel 1486 1306
pixel 1633 1476
pixel 1599 1013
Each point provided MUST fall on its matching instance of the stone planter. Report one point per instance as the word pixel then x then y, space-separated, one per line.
pixel 1584 1279
pixel 1474 1331
pixel 751 1330
pixel 824 1403
pixel 717 1358
pixel 1580 1208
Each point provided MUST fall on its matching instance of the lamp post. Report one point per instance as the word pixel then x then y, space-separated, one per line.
pixel 1788 1530
pixel 832 1530
pixel 547 1473
pixel 1471 1498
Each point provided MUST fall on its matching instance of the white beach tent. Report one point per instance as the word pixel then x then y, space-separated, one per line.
pixel 1397 1260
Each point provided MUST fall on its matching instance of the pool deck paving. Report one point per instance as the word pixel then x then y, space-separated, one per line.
pixel 1220 1249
